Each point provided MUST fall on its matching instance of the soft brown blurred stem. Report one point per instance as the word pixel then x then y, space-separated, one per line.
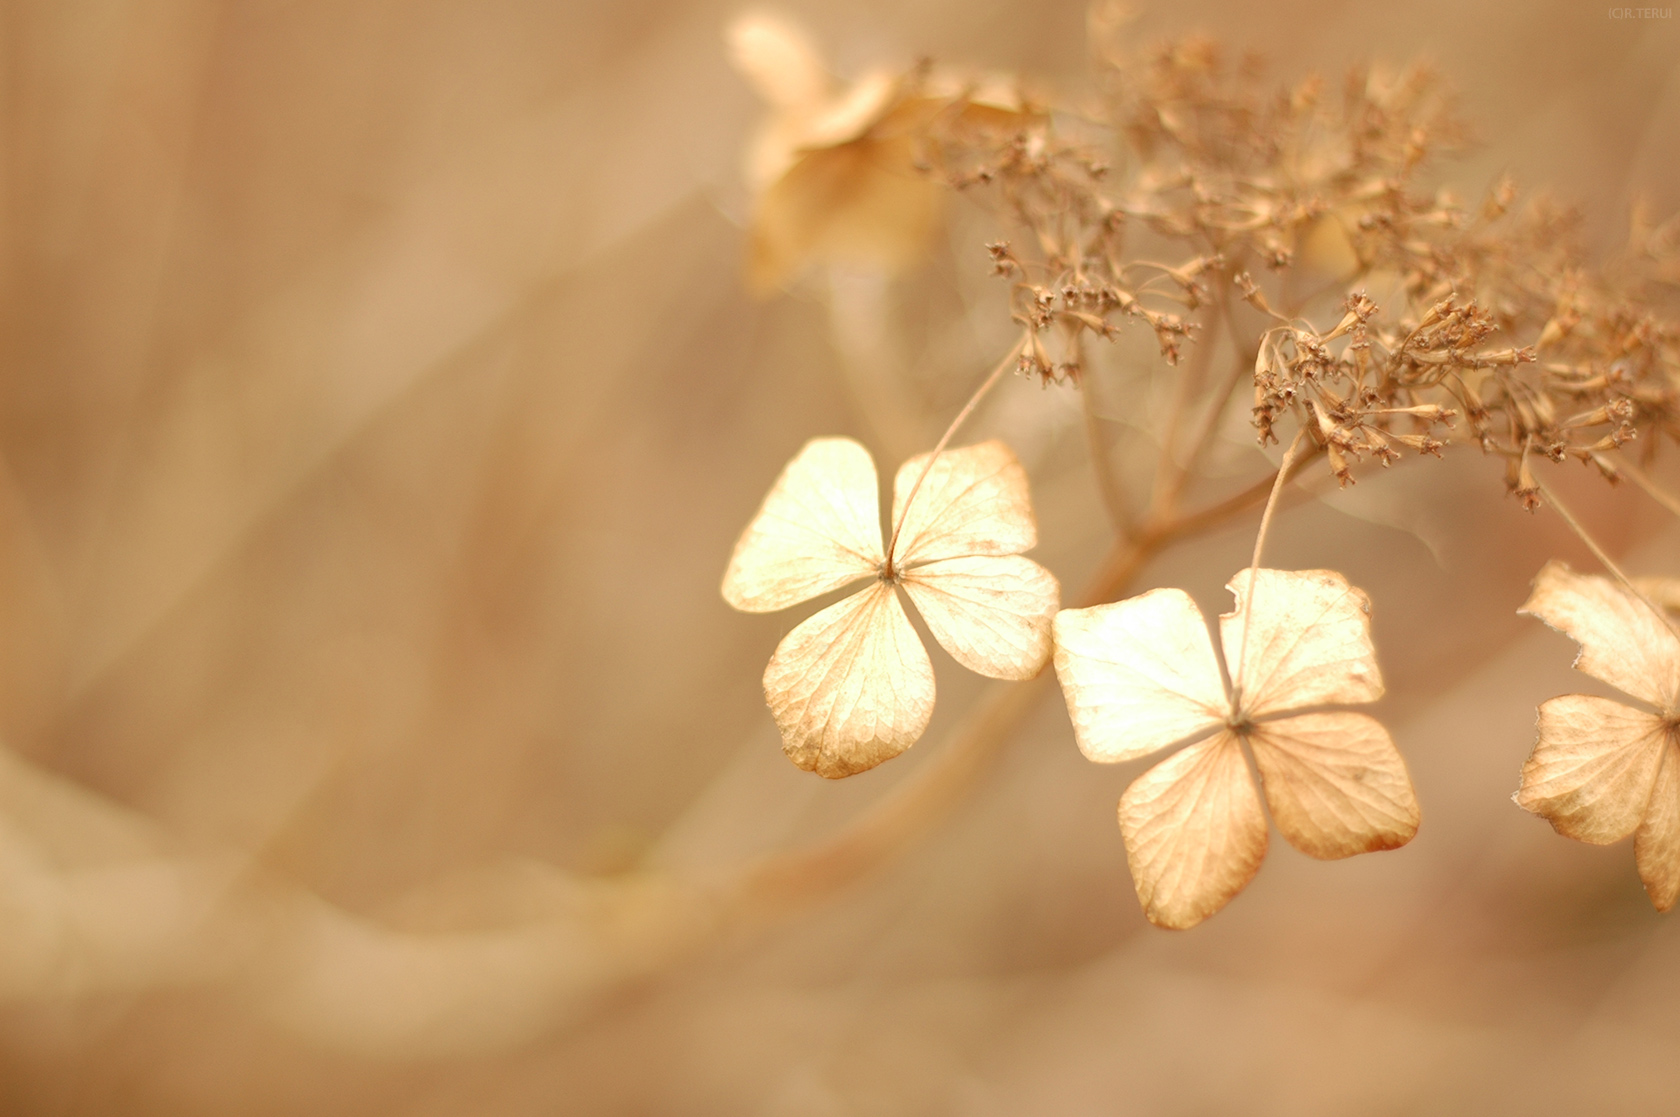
pixel 788 881
pixel 1102 457
pixel 1170 474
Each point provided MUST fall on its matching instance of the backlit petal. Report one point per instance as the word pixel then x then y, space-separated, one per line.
pixel 991 612
pixel 1593 767
pixel 973 501
pixel 1335 783
pixel 1656 845
pixel 852 686
pixel 1623 642
pixel 819 529
pixel 1138 674
pixel 1195 833
pixel 1308 641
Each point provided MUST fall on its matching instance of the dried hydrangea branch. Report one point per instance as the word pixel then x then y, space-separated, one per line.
pixel 787 881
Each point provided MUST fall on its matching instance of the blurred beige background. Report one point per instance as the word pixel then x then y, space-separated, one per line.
pixel 379 402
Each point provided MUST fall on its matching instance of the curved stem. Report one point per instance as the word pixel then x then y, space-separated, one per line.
pixel 1598 552
pixel 986 386
pixel 1254 564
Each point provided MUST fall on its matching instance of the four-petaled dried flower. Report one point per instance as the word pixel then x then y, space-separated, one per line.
pixel 1141 674
pixel 852 686
pixel 1602 769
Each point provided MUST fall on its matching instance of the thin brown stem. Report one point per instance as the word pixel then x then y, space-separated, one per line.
pixel 1598 552
pixel 1254 564
pixel 986 386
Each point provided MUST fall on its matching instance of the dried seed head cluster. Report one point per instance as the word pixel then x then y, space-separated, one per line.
pixel 1192 181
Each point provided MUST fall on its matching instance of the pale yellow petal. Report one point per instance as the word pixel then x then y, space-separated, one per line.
pixel 1622 640
pixel 852 114
pixel 778 58
pixel 991 612
pixel 863 203
pixel 1138 674
pixel 1335 783
pixel 1195 833
pixel 852 686
pixel 973 501
pixel 1592 769
pixel 818 530
pixel 1309 641
pixel 1656 845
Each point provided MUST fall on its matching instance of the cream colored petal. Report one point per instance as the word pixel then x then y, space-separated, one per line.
pixel 1195 834
pixel 1591 771
pixel 779 60
pixel 1138 674
pixel 1622 640
pixel 863 203
pixel 991 612
pixel 1656 845
pixel 1309 642
pixel 852 686
pixel 852 114
pixel 819 529
pixel 973 501
pixel 1335 783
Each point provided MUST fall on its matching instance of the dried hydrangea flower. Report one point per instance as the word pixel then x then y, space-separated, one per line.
pixel 1602 769
pixel 1141 674
pixel 852 686
pixel 833 170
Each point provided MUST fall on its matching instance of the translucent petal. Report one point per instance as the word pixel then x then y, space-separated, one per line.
pixel 818 530
pixel 1622 640
pixel 991 612
pixel 778 58
pixel 1335 783
pixel 852 686
pixel 1592 769
pixel 1138 674
pixel 974 501
pixel 862 203
pixel 1195 833
pixel 1656 846
pixel 1309 642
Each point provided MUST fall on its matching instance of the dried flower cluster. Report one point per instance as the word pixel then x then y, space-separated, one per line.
pixel 1370 314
